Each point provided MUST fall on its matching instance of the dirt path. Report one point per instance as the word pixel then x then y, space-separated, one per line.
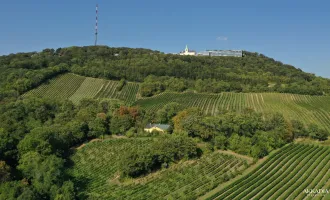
pixel 98 139
pixel 119 136
pixel 247 158
pixel 93 140
pixel 312 141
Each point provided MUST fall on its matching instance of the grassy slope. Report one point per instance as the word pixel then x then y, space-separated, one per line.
pixel 96 166
pixel 310 109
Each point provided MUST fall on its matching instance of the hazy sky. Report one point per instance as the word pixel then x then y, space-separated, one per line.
pixel 295 32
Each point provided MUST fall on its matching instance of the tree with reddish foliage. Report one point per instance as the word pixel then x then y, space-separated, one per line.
pixel 124 118
pixel 102 116
pixel 4 172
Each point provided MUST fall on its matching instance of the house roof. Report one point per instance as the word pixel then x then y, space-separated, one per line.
pixel 161 126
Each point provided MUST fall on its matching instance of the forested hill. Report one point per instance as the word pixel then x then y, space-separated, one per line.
pixel 253 73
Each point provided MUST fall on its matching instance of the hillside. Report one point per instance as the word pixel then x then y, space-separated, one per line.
pixel 75 88
pixel 97 163
pixel 253 73
pixel 285 175
pixel 39 158
pixel 315 109
pixel 84 123
pixel 309 109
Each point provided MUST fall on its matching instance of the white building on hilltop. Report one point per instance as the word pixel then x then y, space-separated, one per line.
pixel 186 52
pixel 233 53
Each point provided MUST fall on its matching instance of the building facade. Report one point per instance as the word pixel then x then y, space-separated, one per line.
pixel 234 53
pixel 158 127
pixel 187 52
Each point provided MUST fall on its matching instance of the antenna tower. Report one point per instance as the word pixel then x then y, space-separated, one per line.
pixel 95 43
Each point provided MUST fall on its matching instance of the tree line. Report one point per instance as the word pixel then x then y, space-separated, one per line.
pixel 248 132
pixel 252 73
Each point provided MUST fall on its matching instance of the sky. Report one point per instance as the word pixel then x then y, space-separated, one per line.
pixel 295 32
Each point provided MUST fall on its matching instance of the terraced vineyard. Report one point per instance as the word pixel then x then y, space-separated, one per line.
pixel 310 109
pixel 285 175
pixel 75 88
pixel 95 164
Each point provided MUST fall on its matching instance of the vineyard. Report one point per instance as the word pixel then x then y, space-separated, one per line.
pixel 95 164
pixel 75 88
pixel 62 87
pixel 284 175
pixel 310 109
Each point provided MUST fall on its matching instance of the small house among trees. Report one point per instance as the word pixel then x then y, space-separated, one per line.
pixel 158 127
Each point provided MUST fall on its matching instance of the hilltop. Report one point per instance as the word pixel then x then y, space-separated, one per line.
pixel 158 71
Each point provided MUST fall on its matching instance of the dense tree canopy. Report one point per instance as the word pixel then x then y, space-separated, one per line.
pixel 252 73
pixel 248 133
pixel 35 139
pixel 161 153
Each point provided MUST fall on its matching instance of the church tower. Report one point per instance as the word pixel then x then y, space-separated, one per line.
pixel 186 52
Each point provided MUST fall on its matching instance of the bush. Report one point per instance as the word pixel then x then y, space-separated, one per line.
pixel 131 132
pixel 220 142
pixel 121 84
